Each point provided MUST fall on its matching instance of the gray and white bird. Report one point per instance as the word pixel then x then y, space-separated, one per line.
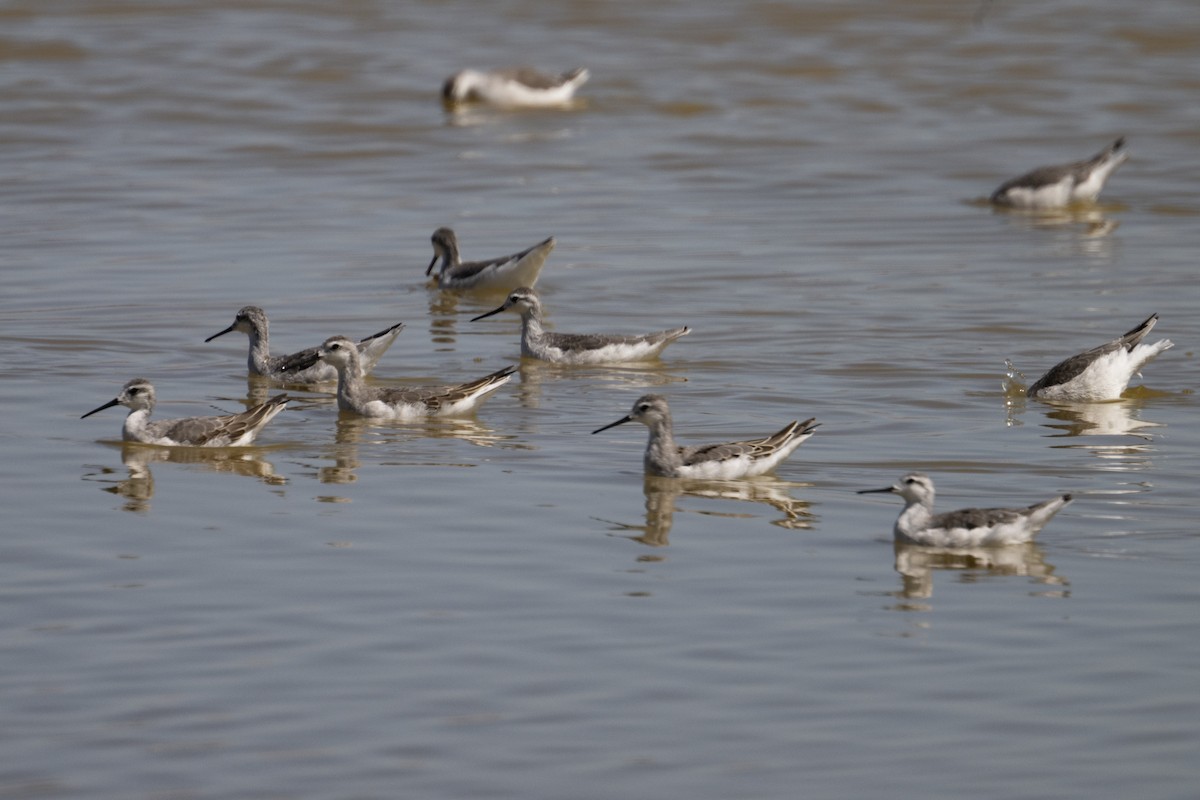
pixel 1103 372
pixel 728 461
pixel 229 430
pixel 578 348
pixel 497 274
pixel 252 321
pixel 968 527
pixel 1058 186
pixel 520 87
pixel 402 402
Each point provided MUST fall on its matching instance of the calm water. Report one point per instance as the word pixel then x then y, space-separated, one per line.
pixel 502 607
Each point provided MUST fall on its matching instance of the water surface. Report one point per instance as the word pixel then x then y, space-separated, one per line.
pixel 502 606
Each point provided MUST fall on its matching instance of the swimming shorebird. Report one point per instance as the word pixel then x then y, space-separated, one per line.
pixel 712 461
pixel 497 274
pixel 407 402
pixel 252 321
pixel 1058 186
pixel 1103 372
pixel 229 430
pixel 966 527
pixel 578 348
pixel 513 88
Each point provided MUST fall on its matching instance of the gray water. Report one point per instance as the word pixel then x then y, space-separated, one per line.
pixel 501 606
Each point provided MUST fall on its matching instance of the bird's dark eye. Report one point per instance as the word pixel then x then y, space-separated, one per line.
pixel 335 347
pixel 911 481
pixel 134 390
pixel 644 407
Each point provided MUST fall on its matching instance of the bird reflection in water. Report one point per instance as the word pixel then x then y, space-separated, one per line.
pixel 1088 225
pixel 259 389
pixel 662 495
pixel 635 375
pixel 138 487
pixel 354 430
pixel 445 313
pixel 1117 418
pixel 916 564
pixel 443 318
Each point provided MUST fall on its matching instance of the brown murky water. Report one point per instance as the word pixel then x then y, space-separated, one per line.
pixel 501 606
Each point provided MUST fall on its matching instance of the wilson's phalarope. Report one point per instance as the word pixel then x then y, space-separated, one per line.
pixel 713 461
pixel 1103 372
pixel 230 430
pixel 513 88
pixel 966 527
pixel 1058 186
pixel 252 321
pixel 578 348
pixel 407 402
pixel 497 274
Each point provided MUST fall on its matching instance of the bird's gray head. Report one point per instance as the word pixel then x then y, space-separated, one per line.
pixel 916 487
pixel 337 351
pixel 522 300
pixel 136 395
pixel 250 320
pixel 649 409
pixel 445 247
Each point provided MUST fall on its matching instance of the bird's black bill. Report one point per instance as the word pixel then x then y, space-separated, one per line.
pixel 429 270
pixel 621 421
pixel 488 314
pixel 109 404
pixel 874 491
pixel 222 333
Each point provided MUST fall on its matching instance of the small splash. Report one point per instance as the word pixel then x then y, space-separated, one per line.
pixel 1014 384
